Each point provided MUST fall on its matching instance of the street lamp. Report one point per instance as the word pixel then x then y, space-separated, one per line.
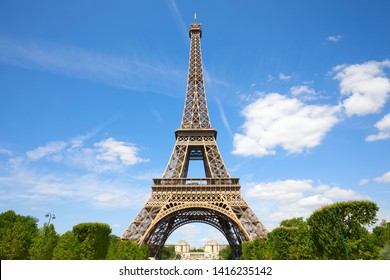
pixel 50 216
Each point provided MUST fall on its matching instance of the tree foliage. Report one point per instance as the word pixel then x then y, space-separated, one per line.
pixel 17 233
pixel 113 248
pixel 385 252
pixel 44 243
pixel 248 251
pixel 131 251
pixel 381 236
pixel 143 253
pixel 285 243
pixel 325 235
pixel 300 245
pixel 93 240
pixel 125 250
pixel 290 241
pixel 168 253
pixel 258 249
pixel 338 232
pixel 226 253
pixel 20 239
pixel 382 233
pixel 68 247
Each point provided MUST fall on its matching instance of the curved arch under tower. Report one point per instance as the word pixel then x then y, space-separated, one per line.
pixel 163 228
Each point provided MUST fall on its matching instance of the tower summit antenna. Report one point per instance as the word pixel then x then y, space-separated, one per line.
pixel 195 17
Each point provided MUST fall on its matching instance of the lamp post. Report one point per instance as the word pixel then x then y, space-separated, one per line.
pixel 50 216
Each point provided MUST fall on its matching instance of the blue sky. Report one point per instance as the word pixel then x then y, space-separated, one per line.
pixel 92 91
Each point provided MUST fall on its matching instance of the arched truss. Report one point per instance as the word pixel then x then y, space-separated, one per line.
pixel 163 228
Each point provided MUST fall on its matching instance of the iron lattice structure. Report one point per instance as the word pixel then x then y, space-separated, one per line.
pixel 177 200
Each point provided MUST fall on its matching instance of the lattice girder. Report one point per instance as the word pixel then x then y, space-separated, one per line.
pixel 195 115
pixel 178 164
pixel 205 145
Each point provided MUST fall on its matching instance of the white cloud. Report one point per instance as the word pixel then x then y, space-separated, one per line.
pixel 299 90
pixel 288 190
pixel 5 152
pixel 339 193
pixel 383 179
pixel 36 187
pixel 223 115
pixel 52 148
pixel 107 155
pixel 334 38
pixel 270 78
pixel 113 151
pixel 364 182
pixel 303 92
pixel 276 120
pixel 384 130
pixel 364 85
pixel 104 197
pixel 178 18
pixel 133 73
pixel 294 198
pixel 313 202
pixel 284 77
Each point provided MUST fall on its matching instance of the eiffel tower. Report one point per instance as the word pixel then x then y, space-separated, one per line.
pixel 177 200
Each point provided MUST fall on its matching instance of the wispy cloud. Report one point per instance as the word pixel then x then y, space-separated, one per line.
pixel 157 114
pixel 284 77
pixel 111 150
pixel 384 178
pixel 213 81
pixel 107 155
pixel 364 182
pixel 304 92
pixel 52 148
pixel 37 177
pixel 37 187
pixel 383 127
pixel 223 115
pixel 178 19
pixel 334 38
pixel 134 73
pixel 5 152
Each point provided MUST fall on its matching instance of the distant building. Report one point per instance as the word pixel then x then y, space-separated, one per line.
pixel 211 251
pixel 213 247
pixel 182 247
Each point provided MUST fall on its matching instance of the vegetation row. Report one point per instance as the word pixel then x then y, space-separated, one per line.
pixel 337 231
